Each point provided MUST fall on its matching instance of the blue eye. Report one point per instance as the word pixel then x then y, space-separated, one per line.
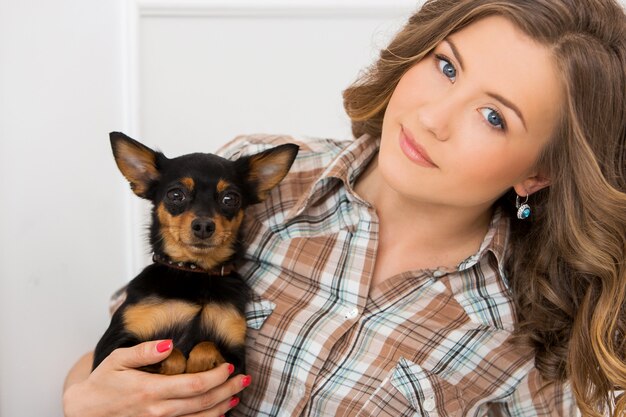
pixel 446 68
pixel 493 118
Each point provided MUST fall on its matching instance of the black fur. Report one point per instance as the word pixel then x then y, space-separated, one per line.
pixel 162 181
pixel 168 283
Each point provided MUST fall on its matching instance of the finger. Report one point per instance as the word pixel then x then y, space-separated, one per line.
pixel 193 385
pixel 219 410
pixel 143 354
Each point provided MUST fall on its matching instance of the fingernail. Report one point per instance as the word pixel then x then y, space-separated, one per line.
pixel 164 346
pixel 246 381
pixel 234 401
pixel 231 368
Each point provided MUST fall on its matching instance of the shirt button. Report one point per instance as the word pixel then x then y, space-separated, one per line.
pixel 438 273
pixel 429 404
pixel 352 313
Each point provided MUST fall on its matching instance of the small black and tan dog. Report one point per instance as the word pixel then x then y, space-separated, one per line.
pixel 191 293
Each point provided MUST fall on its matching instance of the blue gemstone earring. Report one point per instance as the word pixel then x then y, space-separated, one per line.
pixel 523 209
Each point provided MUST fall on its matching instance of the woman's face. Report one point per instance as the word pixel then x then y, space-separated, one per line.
pixel 469 121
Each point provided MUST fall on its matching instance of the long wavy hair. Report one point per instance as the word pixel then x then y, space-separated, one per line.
pixel 567 265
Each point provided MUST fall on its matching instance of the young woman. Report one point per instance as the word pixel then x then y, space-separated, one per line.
pixel 465 255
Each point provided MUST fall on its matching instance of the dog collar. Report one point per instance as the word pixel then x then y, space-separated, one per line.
pixel 191 267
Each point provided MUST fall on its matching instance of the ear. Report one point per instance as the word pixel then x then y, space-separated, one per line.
pixel 264 170
pixel 531 185
pixel 136 161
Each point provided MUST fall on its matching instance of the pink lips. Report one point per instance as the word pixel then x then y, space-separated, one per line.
pixel 414 151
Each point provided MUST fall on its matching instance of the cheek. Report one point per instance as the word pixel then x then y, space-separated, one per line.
pixel 495 167
pixel 419 83
pixel 174 227
pixel 226 229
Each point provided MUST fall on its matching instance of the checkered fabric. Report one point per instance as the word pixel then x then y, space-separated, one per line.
pixel 322 342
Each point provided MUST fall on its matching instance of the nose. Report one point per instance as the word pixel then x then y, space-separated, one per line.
pixel 436 115
pixel 203 227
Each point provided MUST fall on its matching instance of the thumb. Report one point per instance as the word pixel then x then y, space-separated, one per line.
pixel 143 354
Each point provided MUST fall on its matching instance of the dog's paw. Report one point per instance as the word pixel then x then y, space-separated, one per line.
pixel 172 365
pixel 203 357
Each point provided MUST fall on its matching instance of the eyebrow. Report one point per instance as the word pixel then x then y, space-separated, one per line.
pixel 510 105
pixel 496 96
pixel 455 52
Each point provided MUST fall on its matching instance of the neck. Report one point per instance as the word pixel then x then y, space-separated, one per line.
pixel 219 270
pixel 407 221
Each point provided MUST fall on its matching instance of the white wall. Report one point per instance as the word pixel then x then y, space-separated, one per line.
pixel 73 70
pixel 61 213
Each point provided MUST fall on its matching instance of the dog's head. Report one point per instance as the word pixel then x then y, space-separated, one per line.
pixel 199 199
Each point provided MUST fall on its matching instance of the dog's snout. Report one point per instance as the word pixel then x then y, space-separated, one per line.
pixel 203 227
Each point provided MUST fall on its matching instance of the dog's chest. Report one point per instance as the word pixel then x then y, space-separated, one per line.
pixel 186 307
pixel 155 317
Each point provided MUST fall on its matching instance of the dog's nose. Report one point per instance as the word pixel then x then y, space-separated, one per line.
pixel 203 227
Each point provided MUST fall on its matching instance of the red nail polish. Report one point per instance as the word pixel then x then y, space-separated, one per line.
pixel 231 368
pixel 246 381
pixel 164 346
pixel 234 401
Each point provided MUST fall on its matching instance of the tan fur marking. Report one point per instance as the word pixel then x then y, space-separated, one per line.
pixel 137 165
pixel 188 182
pixel 268 171
pixel 177 238
pixel 154 314
pixel 226 321
pixel 174 364
pixel 226 230
pixel 204 357
pixel 222 185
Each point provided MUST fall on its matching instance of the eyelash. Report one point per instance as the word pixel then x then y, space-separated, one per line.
pixel 445 59
pixel 502 125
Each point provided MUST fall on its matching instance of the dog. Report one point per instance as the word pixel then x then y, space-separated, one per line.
pixel 191 293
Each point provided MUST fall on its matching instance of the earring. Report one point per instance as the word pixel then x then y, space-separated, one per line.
pixel 523 209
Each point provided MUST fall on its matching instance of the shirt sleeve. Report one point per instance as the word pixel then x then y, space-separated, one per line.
pixel 117 299
pixel 534 396
pixel 251 144
pixel 234 148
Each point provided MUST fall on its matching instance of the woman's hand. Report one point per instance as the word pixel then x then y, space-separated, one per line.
pixel 116 388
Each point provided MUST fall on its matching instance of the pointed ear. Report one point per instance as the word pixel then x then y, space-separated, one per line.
pixel 264 170
pixel 531 185
pixel 136 161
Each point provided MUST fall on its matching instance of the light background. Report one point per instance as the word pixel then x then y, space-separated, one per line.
pixel 180 75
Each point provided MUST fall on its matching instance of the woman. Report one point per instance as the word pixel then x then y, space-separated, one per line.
pixel 465 255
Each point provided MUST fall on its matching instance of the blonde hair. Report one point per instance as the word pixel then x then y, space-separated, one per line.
pixel 567 265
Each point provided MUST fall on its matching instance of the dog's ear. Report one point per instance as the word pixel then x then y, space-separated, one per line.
pixel 264 170
pixel 137 162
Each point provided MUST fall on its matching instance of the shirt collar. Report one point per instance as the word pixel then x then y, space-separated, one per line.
pixel 346 167
pixel 495 242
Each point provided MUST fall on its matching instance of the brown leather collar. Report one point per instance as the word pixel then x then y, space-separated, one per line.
pixel 219 271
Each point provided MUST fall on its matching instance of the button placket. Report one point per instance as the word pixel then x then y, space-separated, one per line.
pixel 351 313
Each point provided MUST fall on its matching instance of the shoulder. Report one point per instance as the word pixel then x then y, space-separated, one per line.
pixel 314 157
pixel 317 151
pixel 535 395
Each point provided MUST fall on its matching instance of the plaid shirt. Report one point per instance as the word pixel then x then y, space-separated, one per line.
pixel 321 342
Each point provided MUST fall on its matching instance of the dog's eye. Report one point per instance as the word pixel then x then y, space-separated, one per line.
pixel 176 195
pixel 231 199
